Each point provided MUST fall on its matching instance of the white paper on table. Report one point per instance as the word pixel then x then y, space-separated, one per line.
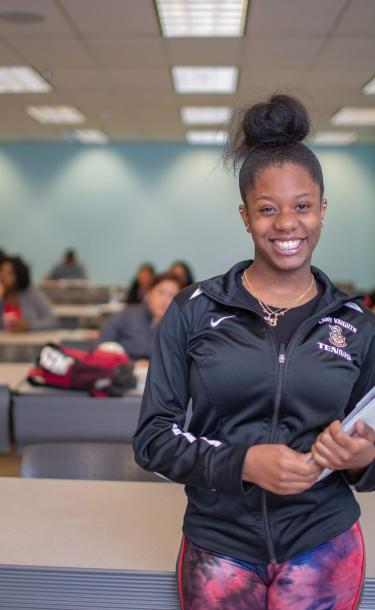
pixel 363 411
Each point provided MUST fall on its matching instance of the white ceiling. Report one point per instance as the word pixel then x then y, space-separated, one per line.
pixel 108 58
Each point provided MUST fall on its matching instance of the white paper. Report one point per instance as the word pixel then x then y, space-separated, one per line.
pixel 363 411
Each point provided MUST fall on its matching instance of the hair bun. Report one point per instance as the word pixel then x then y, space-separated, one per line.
pixel 280 121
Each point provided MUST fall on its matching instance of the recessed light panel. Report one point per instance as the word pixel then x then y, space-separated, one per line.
pixel 208 79
pixel 207 137
pixel 59 115
pixel 328 138
pixel 369 89
pixel 90 136
pixel 354 116
pixel 22 79
pixel 205 115
pixel 202 18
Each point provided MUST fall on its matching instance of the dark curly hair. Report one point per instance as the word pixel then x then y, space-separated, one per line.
pixel 21 271
pixel 270 133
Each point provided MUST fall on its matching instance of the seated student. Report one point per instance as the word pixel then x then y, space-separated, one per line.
pixel 183 271
pixel 22 307
pixel 135 327
pixel 141 283
pixel 69 268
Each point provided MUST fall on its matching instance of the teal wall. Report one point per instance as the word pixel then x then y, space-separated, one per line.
pixel 124 203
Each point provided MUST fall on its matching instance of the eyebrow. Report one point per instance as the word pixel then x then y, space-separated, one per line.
pixel 270 198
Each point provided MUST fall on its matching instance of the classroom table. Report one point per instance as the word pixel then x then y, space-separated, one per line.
pixel 80 292
pixel 89 544
pixel 73 316
pixel 13 374
pixel 24 347
pixel 103 545
pixel 77 316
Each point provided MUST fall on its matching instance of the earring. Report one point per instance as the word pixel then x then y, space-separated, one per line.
pixel 322 222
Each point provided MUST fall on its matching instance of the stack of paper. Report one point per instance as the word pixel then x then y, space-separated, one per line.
pixel 363 411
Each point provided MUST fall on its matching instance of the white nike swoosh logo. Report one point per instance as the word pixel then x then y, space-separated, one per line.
pixel 216 322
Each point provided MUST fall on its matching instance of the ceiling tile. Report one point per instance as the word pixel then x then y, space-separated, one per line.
pixel 55 23
pixel 339 79
pixel 59 52
pixel 141 80
pixel 113 17
pixel 358 19
pixel 186 52
pixel 107 58
pixel 128 52
pixel 295 17
pixel 70 78
pixel 346 53
pixel 271 80
pixel 286 52
pixel 119 131
pixel 8 57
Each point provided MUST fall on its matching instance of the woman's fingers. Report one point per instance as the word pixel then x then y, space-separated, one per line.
pixel 365 431
pixel 279 469
pixel 337 450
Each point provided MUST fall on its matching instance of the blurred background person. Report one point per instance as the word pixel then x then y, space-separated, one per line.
pixel 69 268
pixel 370 300
pixel 183 271
pixel 22 307
pixel 135 327
pixel 141 283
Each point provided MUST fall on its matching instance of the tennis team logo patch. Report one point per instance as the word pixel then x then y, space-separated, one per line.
pixel 336 337
pixel 337 340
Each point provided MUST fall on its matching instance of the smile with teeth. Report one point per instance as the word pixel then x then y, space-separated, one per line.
pixel 290 245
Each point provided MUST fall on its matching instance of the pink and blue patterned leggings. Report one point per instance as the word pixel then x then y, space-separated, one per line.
pixel 329 577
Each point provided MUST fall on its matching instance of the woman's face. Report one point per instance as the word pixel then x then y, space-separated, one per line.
pixel 145 276
pixel 284 212
pixel 180 272
pixel 7 277
pixel 160 296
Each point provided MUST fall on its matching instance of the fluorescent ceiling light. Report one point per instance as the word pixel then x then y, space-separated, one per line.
pixel 208 79
pixel 22 79
pixel 206 137
pixel 334 138
pixel 369 89
pixel 63 115
pixel 90 136
pixel 205 115
pixel 354 116
pixel 208 18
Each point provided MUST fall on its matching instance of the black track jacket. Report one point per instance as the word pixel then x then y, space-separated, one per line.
pixel 214 350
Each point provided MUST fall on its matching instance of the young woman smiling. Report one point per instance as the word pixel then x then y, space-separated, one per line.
pixel 272 356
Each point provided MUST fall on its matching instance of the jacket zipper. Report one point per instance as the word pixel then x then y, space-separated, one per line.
pixel 277 403
pixel 305 327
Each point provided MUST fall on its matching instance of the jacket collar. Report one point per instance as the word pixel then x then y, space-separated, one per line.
pixel 224 289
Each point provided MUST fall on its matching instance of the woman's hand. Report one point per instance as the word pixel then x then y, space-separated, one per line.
pixel 279 469
pixel 336 450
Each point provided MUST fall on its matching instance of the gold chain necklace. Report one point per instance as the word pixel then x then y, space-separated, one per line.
pixel 272 314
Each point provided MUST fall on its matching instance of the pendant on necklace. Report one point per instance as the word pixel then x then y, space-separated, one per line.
pixel 271 319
